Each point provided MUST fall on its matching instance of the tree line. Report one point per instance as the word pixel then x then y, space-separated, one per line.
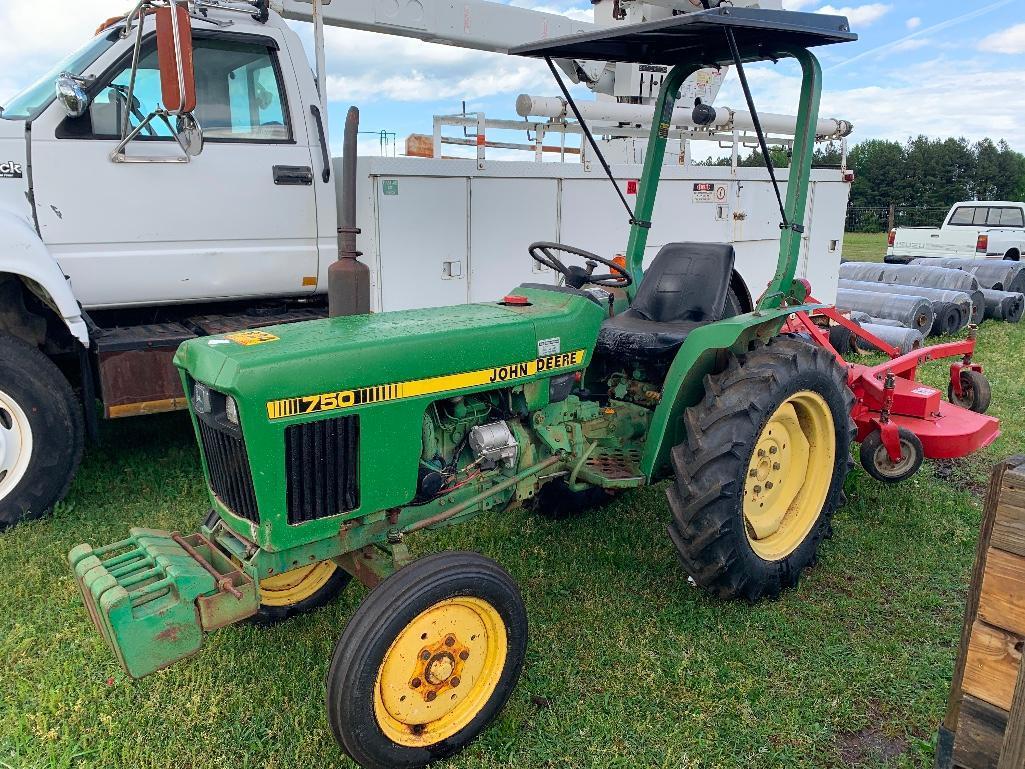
pixel 921 173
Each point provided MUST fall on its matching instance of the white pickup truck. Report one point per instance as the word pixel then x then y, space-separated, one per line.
pixel 984 230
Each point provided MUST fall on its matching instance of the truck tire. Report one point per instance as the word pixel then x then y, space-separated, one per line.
pixel 762 469
pixel 41 433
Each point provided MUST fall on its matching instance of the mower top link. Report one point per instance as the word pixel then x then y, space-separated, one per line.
pixel 325 444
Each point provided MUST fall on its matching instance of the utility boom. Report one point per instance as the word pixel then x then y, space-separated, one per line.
pixel 475 24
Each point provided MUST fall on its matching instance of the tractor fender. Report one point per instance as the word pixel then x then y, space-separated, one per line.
pixel 697 357
pixel 741 291
pixel 25 256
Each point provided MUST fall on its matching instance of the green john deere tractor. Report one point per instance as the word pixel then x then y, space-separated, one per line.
pixel 325 444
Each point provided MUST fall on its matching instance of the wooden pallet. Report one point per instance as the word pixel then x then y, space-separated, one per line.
pixel 985 723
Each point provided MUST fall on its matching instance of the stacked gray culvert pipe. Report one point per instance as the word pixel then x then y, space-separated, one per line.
pixel 1003 305
pixel 994 274
pixel 904 339
pixel 952 309
pixel 920 277
pixel 910 311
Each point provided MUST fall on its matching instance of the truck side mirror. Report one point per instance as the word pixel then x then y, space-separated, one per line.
pixel 174 56
pixel 71 95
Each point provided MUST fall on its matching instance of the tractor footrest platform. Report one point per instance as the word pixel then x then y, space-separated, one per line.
pixel 151 596
pixel 613 469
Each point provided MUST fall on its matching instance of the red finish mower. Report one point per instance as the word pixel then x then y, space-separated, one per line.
pixel 900 421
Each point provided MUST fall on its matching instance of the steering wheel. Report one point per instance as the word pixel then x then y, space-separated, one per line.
pixel 578 277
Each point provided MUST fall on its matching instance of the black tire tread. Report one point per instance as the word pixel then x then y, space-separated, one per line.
pixel 58 429
pixel 872 443
pixel 272 615
pixel 438 574
pixel 709 469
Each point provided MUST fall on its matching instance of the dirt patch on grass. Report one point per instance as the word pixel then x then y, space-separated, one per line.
pixel 968 473
pixel 870 745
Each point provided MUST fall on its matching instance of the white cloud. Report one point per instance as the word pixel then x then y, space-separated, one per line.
pixel 35 35
pixel 859 15
pixel 917 99
pixel 365 67
pixel 914 22
pixel 1010 40
pixel 910 44
pixel 797 5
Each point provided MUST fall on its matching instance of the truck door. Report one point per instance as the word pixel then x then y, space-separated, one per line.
pixel 239 220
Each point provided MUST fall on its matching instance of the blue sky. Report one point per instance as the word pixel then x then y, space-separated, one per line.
pixel 937 67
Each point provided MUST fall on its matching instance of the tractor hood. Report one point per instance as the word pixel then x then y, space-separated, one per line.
pixel 336 354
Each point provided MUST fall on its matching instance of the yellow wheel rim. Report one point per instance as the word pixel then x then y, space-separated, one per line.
pixel 789 475
pixel 297 585
pixel 440 672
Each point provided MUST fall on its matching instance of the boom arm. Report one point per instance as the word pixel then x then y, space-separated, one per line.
pixel 476 24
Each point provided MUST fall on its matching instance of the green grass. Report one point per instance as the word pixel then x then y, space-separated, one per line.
pixel 628 666
pixel 864 247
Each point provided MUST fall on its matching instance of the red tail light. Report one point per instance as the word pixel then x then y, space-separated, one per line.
pixel 982 246
pixel 892 239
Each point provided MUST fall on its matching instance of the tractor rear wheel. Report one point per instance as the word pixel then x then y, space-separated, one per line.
pixel 427 661
pixel 299 591
pixel 762 469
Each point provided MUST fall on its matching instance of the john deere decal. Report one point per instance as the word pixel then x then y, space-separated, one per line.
pixel 343 399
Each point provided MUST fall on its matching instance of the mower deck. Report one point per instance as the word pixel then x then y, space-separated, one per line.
pixel 946 431
pixel 889 398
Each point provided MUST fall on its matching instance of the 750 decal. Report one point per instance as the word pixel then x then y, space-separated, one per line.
pixel 343 399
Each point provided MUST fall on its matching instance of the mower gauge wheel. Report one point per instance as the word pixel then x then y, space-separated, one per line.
pixel 976 393
pixel 877 462
pixel 578 277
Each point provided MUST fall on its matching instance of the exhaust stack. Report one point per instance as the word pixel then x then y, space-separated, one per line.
pixel 348 279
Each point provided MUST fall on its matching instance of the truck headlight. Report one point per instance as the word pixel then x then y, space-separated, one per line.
pixel 231 410
pixel 201 398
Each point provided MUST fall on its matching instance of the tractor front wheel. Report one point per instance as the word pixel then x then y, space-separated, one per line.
pixel 427 661
pixel 299 591
pixel 762 469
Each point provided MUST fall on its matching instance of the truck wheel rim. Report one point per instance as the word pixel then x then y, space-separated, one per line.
pixel 297 585
pixel 440 671
pixel 15 444
pixel 789 475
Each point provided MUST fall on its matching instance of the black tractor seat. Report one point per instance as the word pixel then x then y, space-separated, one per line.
pixel 687 286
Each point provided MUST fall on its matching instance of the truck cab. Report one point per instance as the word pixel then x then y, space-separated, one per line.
pixel 116 252
pixel 975 229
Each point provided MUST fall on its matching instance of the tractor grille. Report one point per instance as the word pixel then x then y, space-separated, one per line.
pixel 322 468
pixel 230 475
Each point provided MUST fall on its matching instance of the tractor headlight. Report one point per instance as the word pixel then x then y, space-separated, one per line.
pixel 231 410
pixel 201 398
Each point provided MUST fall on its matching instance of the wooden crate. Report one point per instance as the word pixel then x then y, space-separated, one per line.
pixel 985 723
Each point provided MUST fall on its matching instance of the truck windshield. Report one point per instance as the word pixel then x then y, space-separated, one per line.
pixel 28 104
